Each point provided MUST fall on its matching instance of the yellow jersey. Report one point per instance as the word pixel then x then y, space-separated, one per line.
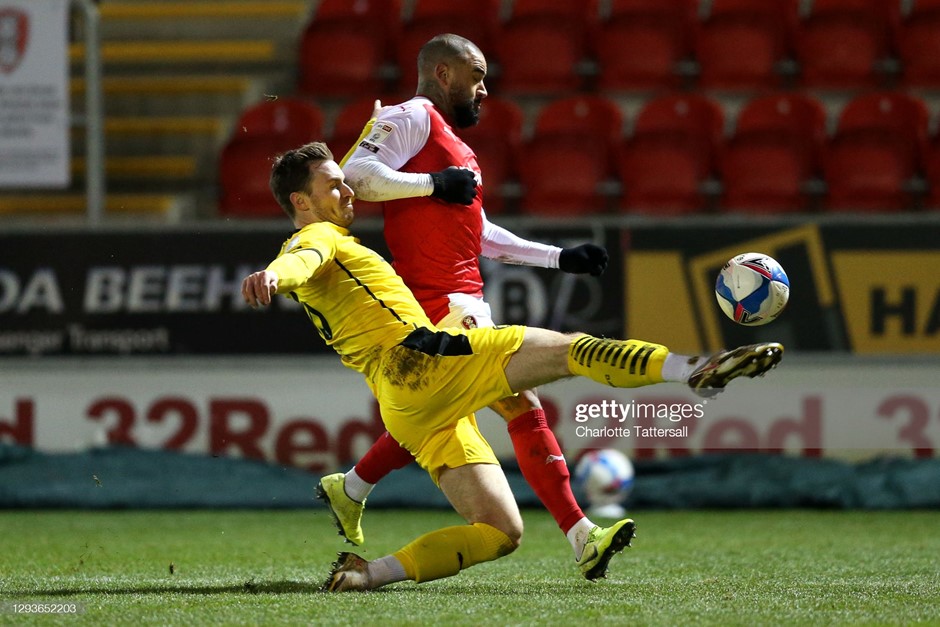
pixel 352 296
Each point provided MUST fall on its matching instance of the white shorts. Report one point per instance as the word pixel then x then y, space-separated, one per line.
pixel 466 312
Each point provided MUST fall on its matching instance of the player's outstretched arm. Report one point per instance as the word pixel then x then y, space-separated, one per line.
pixel 284 274
pixel 259 287
pixel 502 245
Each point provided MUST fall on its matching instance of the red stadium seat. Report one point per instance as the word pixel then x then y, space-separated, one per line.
pixel 343 50
pixel 918 42
pixel 684 10
pixel 875 152
pixel 932 169
pixel 774 152
pixel 359 12
pixel 244 169
pixel 669 156
pixel 575 14
pixel 842 43
pixel 476 20
pixel 595 119
pixel 539 57
pixel 479 10
pixel 261 132
pixel 564 166
pixel 562 176
pixel 341 62
pixel 295 117
pixel 642 42
pixel 741 43
pixel 496 142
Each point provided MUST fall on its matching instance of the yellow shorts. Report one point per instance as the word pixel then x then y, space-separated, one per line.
pixel 458 445
pixel 429 386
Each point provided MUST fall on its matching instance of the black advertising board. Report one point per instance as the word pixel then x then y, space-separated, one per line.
pixel 160 292
pixel 867 287
pixel 177 292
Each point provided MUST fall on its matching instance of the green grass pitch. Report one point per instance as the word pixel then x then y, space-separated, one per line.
pixel 265 568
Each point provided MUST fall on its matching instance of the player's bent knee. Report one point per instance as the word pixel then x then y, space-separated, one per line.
pixel 515 538
pixel 511 528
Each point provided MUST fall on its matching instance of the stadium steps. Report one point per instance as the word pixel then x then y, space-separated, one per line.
pixel 144 94
pixel 197 136
pixel 215 9
pixel 165 207
pixel 155 125
pixel 158 167
pixel 175 75
pixel 166 85
pixel 179 52
pixel 200 19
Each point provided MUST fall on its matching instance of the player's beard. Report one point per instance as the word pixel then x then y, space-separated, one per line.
pixel 466 113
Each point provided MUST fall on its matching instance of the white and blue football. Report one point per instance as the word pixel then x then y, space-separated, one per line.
pixel 752 289
pixel 605 478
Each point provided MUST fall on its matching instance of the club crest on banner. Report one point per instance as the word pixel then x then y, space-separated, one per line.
pixel 14 36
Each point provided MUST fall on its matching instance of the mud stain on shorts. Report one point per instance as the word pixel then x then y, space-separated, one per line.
pixel 405 367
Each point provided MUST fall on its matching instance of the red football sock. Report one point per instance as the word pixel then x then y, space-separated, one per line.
pixel 382 458
pixel 544 467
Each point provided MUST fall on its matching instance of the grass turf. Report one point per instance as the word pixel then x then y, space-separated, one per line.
pixel 251 567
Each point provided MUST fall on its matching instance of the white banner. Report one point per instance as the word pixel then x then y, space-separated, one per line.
pixel 313 413
pixel 34 93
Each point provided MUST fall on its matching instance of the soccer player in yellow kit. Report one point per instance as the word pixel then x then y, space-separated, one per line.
pixel 429 382
pixel 410 156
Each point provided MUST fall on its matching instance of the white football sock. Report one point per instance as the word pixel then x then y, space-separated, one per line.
pixel 578 535
pixel 680 367
pixel 386 570
pixel 356 487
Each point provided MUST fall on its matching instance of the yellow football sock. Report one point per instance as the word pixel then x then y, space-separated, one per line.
pixel 619 363
pixel 447 551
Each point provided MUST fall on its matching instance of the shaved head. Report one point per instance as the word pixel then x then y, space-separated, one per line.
pixel 445 48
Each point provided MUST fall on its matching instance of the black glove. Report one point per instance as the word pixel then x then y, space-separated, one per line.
pixel 457 185
pixel 583 259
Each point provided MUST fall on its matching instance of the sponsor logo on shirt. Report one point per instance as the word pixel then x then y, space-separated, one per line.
pixel 370 147
pixel 380 131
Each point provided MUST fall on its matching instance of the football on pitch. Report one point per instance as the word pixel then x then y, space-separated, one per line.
pixel 752 289
pixel 605 478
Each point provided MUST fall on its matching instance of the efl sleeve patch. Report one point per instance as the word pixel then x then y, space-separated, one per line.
pixel 380 132
pixel 377 136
